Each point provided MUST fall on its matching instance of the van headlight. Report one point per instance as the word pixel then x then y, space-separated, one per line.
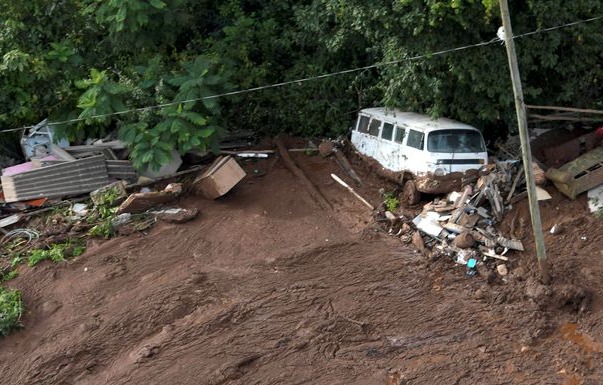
pixel 440 171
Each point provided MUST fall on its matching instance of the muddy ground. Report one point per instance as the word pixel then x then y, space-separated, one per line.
pixel 266 287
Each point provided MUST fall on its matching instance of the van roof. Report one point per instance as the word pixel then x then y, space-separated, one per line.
pixel 418 121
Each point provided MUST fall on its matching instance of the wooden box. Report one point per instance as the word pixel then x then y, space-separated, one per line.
pixel 220 177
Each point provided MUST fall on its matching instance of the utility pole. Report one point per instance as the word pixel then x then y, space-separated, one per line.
pixel 525 143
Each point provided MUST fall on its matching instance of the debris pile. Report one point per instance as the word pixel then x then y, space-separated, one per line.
pixel 463 225
pixel 56 172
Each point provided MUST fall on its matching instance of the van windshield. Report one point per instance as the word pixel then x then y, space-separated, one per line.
pixel 453 141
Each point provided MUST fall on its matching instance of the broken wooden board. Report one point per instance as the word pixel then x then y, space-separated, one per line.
pixel 586 172
pixel 491 254
pixel 141 202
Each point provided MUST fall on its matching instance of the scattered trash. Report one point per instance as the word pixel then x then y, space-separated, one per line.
pixel 542 194
pixel 121 220
pixel 29 234
pixel 502 269
pixel 8 221
pixel 252 155
pixel 463 225
pixel 80 209
pixel 595 199
pixel 220 177
pixel 176 215
pixel 39 140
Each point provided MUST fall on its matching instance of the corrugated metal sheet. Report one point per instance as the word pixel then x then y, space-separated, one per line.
pixel 121 169
pixel 59 180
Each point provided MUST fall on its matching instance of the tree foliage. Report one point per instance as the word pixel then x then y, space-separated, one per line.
pixel 93 60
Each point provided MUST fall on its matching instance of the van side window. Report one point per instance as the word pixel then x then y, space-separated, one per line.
pixel 400 133
pixel 388 131
pixel 374 127
pixel 415 139
pixel 363 122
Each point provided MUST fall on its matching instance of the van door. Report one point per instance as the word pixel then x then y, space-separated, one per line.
pixel 389 152
pixel 414 151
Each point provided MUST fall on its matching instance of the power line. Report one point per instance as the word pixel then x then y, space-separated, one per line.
pixel 318 77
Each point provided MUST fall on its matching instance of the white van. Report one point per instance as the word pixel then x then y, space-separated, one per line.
pixel 429 156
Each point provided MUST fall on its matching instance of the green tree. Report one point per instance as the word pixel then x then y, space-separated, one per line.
pixel 92 60
pixel 472 85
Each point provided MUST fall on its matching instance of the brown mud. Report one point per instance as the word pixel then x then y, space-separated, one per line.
pixel 266 287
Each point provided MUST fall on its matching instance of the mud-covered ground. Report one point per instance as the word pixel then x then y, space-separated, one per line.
pixel 266 287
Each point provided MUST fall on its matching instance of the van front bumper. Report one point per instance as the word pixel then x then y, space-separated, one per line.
pixel 429 183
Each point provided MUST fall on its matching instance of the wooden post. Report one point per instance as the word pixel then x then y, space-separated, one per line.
pixel 525 143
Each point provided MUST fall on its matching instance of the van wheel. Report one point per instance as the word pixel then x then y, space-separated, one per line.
pixel 411 195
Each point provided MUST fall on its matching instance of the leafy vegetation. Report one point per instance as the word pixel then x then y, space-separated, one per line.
pixel 10 275
pixel 11 309
pixel 391 202
pixel 58 252
pixel 103 229
pixel 94 59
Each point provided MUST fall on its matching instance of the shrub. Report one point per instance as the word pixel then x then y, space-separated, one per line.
pixel 11 309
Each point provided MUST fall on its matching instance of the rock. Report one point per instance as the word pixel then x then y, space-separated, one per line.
pixel 536 291
pixel 326 148
pixel 519 273
pixel 479 294
pixel 50 307
pixel 145 352
pixel 502 269
pixel 417 242
pixel 486 273
pixel 556 229
pixel 464 240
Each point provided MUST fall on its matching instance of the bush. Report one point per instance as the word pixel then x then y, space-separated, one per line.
pixel 11 309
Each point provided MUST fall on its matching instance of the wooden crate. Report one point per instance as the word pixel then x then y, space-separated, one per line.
pixel 222 175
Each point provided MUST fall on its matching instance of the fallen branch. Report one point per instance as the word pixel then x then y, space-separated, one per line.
pixel 290 164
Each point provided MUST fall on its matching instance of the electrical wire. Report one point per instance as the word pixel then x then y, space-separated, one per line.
pixel 306 79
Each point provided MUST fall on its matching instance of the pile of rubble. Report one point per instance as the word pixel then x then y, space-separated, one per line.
pixel 92 190
pixel 464 225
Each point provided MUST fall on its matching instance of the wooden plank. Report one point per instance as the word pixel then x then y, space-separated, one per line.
pixel 569 109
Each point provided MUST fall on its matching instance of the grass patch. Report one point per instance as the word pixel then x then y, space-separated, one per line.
pixel 11 309
pixel 10 275
pixel 58 252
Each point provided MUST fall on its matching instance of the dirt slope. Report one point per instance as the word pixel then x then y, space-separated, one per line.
pixel 264 287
